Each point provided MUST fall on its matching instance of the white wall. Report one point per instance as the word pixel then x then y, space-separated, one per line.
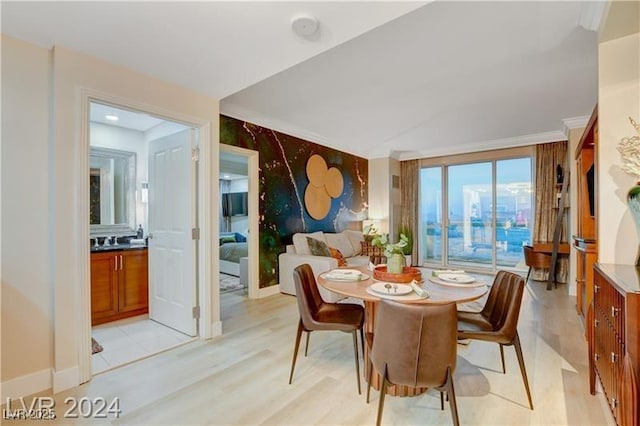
pixel 114 137
pixel 45 256
pixel 27 259
pixel 619 99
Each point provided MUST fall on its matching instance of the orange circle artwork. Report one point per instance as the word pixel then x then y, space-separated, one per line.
pixel 317 201
pixel 316 170
pixel 334 182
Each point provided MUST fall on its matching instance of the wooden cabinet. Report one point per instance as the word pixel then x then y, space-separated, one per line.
pixel 613 334
pixel 119 285
pixel 585 239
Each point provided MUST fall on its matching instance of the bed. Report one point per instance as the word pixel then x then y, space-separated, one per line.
pixel 233 246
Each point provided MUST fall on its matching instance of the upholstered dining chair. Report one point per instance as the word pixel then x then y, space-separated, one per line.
pixel 317 315
pixel 414 345
pixel 534 259
pixel 498 320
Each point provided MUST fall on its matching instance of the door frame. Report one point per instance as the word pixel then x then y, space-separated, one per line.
pixel 253 210
pixel 206 287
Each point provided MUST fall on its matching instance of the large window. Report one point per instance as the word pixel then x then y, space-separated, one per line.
pixel 476 213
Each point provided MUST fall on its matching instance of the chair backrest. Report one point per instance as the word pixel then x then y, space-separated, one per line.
pixel 503 304
pixel 416 343
pixel 307 294
pixel 536 259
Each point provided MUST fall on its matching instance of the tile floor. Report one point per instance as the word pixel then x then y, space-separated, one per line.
pixel 130 339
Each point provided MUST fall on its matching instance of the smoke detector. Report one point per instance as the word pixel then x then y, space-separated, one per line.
pixel 304 25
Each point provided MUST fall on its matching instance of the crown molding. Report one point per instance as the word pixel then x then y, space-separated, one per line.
pixel 574 123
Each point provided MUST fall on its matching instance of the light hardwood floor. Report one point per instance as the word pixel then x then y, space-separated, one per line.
pixel 241 377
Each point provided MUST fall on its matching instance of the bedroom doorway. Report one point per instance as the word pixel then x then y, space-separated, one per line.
pixel 238 223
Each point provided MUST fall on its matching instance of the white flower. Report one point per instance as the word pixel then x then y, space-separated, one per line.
pixel 629 149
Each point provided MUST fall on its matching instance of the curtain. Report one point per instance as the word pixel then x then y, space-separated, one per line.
pixel 548 157
pixel 409 200
pixel 225 220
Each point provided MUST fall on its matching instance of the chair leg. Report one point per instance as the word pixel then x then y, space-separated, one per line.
pixel 451 396
pixel 516 343
pixel 295 350
pixel 370 366
pixel 504 370
pixel 306 347
pixel 441 400
pixel 355 353
pixel 528 273
pixel 362 341
pixel 383 392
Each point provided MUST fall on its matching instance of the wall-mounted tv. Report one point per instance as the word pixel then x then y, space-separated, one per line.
pixel 591 190
pixel 235 203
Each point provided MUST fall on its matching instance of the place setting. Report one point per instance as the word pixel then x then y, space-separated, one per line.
pixel 456 278
pixel 346 275
pixel 398 291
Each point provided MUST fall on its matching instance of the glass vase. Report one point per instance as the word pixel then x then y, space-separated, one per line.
pixel 395 263
pixel 633 199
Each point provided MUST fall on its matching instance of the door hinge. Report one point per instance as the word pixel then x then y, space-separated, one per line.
pixel 195 154
pixel 195 233
pixel 196 312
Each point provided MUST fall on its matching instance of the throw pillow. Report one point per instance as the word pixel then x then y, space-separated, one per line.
pixel 369 249
pixel 318 248
pixel 337 254
pixel 227 239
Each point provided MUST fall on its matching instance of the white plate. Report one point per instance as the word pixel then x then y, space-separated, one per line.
pixel 345 275
pixel 450 284
pixel 395 290
pixel 457 278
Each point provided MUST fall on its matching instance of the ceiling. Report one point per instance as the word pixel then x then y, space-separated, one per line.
pixel 401 79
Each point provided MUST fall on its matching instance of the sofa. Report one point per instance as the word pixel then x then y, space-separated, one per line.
pixel 348 242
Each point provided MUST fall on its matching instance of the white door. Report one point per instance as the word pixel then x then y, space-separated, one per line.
pixel 172 286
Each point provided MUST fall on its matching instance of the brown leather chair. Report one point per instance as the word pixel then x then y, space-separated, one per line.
pixel 414 345
pixel 534 259
pixel 498 320
pixel 316 315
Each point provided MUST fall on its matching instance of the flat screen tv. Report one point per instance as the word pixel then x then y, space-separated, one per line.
pixel 235 203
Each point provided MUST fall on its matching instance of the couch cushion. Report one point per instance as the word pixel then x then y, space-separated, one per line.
pixel 318 248
pixel 358 261
pixel 355 238
pixel 300 241
pixel 341 242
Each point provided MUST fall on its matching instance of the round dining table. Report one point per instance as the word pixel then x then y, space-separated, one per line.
pixel 439 293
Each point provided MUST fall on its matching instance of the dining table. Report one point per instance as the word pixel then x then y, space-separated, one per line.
pixel 439 292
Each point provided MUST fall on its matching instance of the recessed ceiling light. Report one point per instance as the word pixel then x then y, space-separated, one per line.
pixel 111 117
pixel 226 176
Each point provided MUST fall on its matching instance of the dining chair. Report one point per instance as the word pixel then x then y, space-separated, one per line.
pixel 534 259
pixel 498 320
pixel 414 345
pixel 317 315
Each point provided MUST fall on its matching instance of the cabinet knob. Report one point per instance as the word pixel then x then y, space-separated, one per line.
pixel 596 288
pixel 614 357
pixel 614 402
pixel 596 357
pixel 596 323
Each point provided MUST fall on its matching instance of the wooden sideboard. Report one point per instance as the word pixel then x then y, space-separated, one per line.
pixel 613 334
pixel 119 285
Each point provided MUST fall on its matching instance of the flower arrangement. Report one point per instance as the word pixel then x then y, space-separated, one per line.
pixel 390 248
pixel 629 149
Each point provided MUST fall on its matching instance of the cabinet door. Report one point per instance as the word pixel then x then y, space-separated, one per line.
pixel 104 286
pixel 134 281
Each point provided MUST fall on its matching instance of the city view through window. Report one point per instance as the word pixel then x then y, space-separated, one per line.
pixel 468 219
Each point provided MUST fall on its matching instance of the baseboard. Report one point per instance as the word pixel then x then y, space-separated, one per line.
pixel 216 329
pixel 26 385
pixel 268 291
pixel 66 379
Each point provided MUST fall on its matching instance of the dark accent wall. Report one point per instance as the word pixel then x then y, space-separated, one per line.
pixel 283 179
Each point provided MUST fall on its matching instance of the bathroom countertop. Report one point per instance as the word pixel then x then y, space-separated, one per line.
pixel 121 246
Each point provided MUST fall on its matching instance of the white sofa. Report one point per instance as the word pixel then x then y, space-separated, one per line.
pixel 349 244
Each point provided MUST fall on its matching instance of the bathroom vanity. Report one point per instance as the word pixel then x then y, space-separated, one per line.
pixel 119 282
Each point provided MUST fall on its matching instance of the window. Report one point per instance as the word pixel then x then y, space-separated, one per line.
pixel 476 214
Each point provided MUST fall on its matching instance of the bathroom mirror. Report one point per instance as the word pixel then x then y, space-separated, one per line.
pixel 112 195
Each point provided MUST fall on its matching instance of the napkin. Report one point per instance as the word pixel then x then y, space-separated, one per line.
pixel 372 266
pixel 447 271
pixel 419 290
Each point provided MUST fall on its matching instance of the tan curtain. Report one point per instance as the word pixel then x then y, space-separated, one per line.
pixel 409 199
pixel 548 157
